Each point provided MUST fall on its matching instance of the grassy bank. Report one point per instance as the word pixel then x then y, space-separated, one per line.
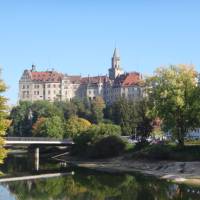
pixel 168 152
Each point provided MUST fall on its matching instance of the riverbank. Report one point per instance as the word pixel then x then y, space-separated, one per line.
pixel 178 172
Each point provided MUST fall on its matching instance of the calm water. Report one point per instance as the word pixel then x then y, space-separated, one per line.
pixel 84 184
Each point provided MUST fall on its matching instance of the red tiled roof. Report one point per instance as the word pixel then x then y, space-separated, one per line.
pixel 131 79
pixel 94 79
pixel 74 79
pixel 48 76
pixel 128 79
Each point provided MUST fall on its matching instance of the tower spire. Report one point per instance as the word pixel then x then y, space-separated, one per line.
pixel 116 53
pixel 115 69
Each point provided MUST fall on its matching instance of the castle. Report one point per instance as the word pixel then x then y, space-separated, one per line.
pixel 53 86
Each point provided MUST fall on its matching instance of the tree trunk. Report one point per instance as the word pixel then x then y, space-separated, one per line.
pixel 181 139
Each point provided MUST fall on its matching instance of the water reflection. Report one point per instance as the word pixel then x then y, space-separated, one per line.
pixel 90 185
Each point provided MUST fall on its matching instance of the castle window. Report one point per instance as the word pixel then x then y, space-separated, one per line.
pixel 49 91
pixel 48 85
pixel 36 86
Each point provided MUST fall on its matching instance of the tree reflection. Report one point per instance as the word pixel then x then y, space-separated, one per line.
pixel 86 185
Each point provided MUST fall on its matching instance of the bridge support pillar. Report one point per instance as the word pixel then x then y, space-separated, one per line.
pixel 37 158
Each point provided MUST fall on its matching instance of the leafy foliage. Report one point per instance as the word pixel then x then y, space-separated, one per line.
pixel 75 126
pixel 3 122
pixel 97 107
pixel 123 113
pixel 85 142
pixel 110 146
pixel 49 127
pixel 144 121
pixel 21 123
pixel 175 94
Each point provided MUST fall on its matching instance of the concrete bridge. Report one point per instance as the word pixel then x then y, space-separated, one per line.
pixel 37 141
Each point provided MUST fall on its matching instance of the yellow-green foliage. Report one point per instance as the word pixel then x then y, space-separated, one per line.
pixel 174 93
pixel 75 125
pixel 3 122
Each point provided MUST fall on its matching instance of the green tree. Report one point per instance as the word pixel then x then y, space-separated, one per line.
pixel 49 127
pixel 83 108
pixel 67 108
pixel 104 130
pixel 123 112
pixel 175 94
pixel 3 121
pixel 27 113
pixel 97 107
pixel 75 126
pixel 85 141
pixel 144 121
pixel 21 121
pixel 45 109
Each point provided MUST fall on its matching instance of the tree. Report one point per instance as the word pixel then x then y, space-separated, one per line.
pixel 21 123
pixel 83 108
pixel 85 141
pixel 123 112
pixel 144 122
pixel 3 122
pixel 75 126
pixel 27 113
pixel 49 127
pixel 103 130
pixel 174 93
pixel 67 108
pixel 38 125
pixel 97 107
pixel 45 109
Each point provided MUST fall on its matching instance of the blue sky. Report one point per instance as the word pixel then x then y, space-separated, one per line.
pixel 78 37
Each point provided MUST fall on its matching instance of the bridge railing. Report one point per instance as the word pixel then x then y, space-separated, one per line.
pixel 37 139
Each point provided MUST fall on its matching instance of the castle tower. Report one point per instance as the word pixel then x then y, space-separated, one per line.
pixel 115 69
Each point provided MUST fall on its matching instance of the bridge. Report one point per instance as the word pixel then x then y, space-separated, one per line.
pixel 37 141
pixel 33 177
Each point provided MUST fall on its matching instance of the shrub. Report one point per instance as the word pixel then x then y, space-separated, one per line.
pixel 102 130
pixel 157 151
pixel 85 141
pixel 107 147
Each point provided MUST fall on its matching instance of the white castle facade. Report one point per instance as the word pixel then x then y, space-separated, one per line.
pixel 53 86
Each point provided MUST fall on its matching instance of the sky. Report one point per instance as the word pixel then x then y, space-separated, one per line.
pixel 78 37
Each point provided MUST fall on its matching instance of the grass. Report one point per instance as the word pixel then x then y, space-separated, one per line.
pixel 168 152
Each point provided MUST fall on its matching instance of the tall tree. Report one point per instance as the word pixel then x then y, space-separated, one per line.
pixel 123 112
pixel 3 121
pixel 49 127
pixel 21 121
pixel 144 120
pixel 97 107
pixel 175 93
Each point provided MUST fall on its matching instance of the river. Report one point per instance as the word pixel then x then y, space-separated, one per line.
pixel 82 184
